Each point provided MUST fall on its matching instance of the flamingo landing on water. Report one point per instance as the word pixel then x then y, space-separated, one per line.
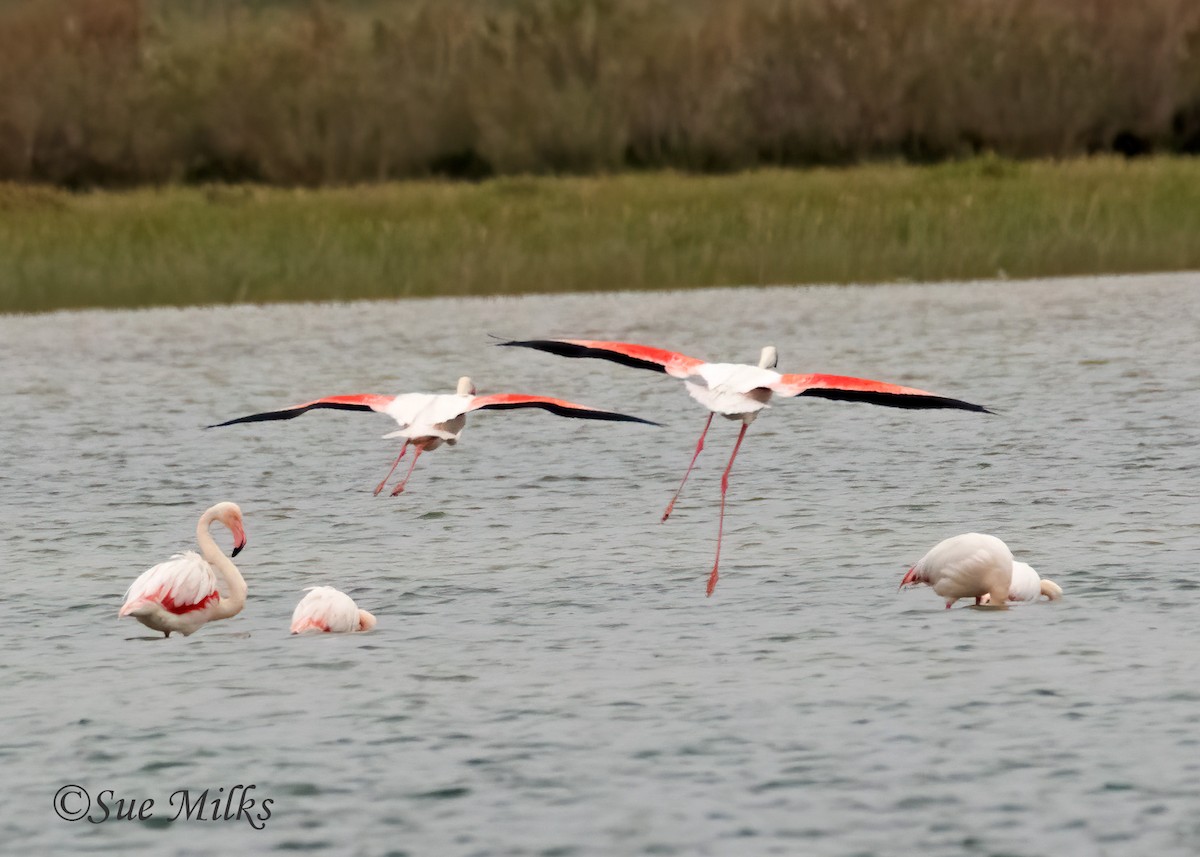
pixel 427 420
pixel 181 594
pixel 738 391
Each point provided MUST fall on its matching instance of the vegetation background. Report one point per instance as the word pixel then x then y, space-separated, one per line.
pixel 197 151
pixel 292 92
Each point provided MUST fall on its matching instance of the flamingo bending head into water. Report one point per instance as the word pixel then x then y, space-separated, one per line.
pixel 972 565
pixel 181 594
pixel 328 610
pixel 428 420
pixel 739 391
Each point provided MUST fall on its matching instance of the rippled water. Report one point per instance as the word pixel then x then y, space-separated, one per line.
pixel 547 676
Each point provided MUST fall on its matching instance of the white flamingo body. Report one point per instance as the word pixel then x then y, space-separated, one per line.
pixel 181 594
pixel 428 420
pixel 739 391
pixel 1028 585
pixel 328 610
pixel 734 390
pixel 972 565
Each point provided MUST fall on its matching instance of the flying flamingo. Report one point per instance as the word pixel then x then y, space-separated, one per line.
pixel 181 593
pixel 738 391
pixel 972 565
pixel 329 610
pixel 1028 585
pixel 427 420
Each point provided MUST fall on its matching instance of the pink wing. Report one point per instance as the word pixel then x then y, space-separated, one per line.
pixel 847 389
pixel 626 353
pixel 180 585
pixel 506 401
pixel 364 402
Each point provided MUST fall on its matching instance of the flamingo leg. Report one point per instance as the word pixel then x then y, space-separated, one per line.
pixel 699 446
pixel 403 449
pixel 712 578
pixel 404 481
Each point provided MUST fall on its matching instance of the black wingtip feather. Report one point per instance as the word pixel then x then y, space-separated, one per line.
pixel 574 413
pixel 571 349
pixel 895 400
pixel 291 413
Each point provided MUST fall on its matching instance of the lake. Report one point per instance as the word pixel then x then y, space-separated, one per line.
pixel 547 677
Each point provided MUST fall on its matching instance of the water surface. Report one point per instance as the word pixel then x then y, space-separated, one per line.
pixel 547 677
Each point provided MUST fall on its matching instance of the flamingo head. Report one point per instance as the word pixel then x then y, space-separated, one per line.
pixel 910 579
pixel 769 358
pixel 366 621
pixel 231 516
pixel 465 387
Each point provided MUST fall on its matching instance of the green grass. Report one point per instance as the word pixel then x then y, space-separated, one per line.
pixel 221 244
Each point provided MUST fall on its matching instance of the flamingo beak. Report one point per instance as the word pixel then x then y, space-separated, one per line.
pixel 911 577
pixel 239 538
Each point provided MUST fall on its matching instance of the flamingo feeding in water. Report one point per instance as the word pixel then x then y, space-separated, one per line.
pixel 738 391
pixel 972 565
pixel 328 610
pixel 181 594
pixel 427 420
pixel 1028 585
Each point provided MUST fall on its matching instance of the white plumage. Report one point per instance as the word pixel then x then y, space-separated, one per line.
pixel 734 390
pixel 328 610
pixel 181 594
pixel 968 566
pixel 431 415
pixel 185 579
pixel 1028 585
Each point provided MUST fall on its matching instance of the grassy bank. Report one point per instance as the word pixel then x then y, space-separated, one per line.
pixel 979 218
pixel 303 92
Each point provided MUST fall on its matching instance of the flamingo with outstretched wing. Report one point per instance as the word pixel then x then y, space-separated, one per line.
pixel 428 420
pixel 739 391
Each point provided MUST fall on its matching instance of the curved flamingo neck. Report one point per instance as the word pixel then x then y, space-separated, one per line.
pixel 225 607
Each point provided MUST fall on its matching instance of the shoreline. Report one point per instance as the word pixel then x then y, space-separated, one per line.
pixel 981 219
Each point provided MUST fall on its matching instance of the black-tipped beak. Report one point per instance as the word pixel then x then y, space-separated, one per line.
pixel 237 549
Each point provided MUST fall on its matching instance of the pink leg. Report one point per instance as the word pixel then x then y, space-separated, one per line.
pixel 699 446
pixel 404 481
pixel 712 578
pixel 379 487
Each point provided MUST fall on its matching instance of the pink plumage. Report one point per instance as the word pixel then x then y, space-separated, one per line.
pixel 181 594
pixel 328 610
pixel 738 391
pixel 428 420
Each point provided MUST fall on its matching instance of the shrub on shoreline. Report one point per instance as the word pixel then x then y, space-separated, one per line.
pixel 122 92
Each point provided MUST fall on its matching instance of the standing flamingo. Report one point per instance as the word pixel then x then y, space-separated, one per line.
pixel 427 420
pixel 181 593
pixel 738 391
pixel 1028 585
pixel 329 610
pixel 972 565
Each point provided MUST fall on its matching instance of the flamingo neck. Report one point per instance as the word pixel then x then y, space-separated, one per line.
pixel 224 566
